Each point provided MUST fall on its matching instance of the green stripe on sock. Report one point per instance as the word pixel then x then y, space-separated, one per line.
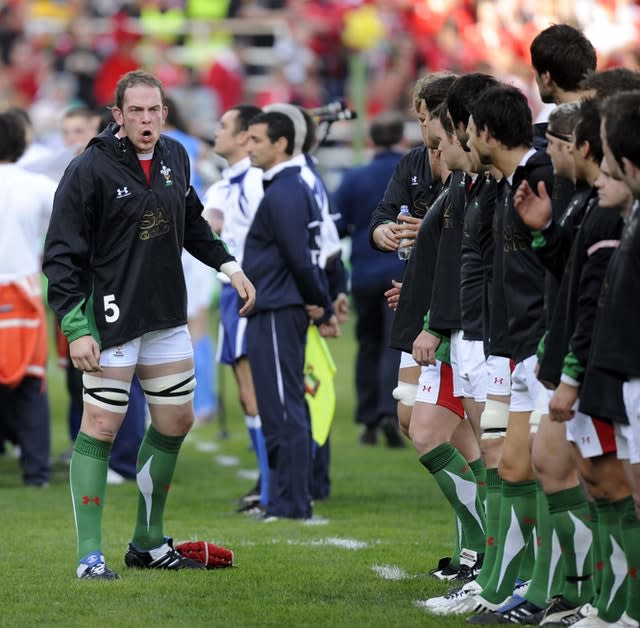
pixel 567 499
pixel 92 447
pixel 438 458
pixel 493 478
pixel 168 444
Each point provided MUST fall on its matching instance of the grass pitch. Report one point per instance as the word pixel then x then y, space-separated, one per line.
pixel 387 526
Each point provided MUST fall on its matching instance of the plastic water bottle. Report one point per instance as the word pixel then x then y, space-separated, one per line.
pixel 406 244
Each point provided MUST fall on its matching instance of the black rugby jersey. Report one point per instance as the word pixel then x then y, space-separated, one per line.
pixel 113 249
pixel 617 341
pixel 444 310
pixel 476 236
pixel 412 185
pixel 415 296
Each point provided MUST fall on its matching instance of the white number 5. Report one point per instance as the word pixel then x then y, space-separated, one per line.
pixel 111 310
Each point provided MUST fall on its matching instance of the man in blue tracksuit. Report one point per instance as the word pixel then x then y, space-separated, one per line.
pixel 281 255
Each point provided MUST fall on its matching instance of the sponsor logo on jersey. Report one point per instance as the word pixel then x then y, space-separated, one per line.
pixel 153 224
pixel 414 180
pixel 123 192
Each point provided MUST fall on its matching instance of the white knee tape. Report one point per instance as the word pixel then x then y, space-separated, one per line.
pixel 170 390
pixel 405 393
pixel 494 419
pixel 109 394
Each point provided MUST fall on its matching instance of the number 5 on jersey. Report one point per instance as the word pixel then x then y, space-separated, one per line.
pixel 111 309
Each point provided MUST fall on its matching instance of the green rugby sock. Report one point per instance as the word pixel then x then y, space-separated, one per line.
pixel 611 600
pixel 546 558
pixel 458 484
pixel 88 482
pixel 572 524
pixel 630 533
pixel 494 489
pixel 517 518
pixel 156 464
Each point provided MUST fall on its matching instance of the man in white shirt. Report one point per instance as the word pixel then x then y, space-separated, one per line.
pixel 26 200
pixel 230 205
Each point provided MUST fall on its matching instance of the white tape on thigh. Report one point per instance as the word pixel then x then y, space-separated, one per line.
pixel 405 393
pixel 494 419
pixel 170 390
pixel 109 394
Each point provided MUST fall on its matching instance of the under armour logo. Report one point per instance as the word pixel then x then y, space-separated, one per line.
pixel 498 380
pixel 122 192
pixel 86 500
pixel 414 180
pixel 426 389
pixel 585 440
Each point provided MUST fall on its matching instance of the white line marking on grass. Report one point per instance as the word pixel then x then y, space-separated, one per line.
pixel 207 447
pixel 228 461
pixel 390 572
pixel 316 520
pixel 349 544
pixel 248 474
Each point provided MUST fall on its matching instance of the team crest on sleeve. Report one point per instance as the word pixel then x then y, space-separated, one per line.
pixel 165 171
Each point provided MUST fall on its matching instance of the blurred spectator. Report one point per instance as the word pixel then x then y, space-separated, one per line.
pixel 23 71
pixel 35 153
pixel 277 90
pixel 26 199
pixel 163 20
pixel 12 19
pixel 388 89
pixel 225 77
pixel 77 56
pixel 122 60
pixel 56 93
pixel 182 39
pixel 158 60
pixel 208 9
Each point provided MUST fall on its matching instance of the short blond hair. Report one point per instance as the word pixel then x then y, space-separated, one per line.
pixel 432 89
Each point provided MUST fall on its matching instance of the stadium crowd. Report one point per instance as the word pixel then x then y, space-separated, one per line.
pixel 54 54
